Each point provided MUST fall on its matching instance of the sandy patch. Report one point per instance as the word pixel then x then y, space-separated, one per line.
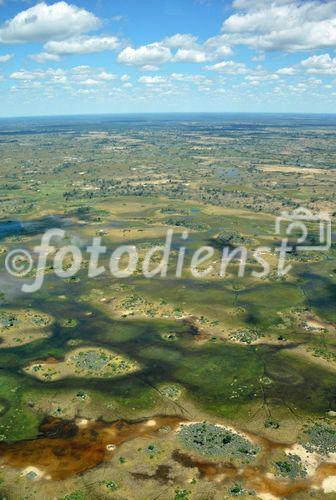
pixel 151 423
pixel 82 422
pixel 291 169
pixel 267 496
pixel 110 447
pixel 315 325
pixel 309 460
pixel 33 473
pixel 329 484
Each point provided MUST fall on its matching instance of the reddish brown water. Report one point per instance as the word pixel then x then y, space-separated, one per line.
pixel 253 478
pixel 64 449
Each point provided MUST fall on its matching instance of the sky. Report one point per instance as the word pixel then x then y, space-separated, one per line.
pixel 136 56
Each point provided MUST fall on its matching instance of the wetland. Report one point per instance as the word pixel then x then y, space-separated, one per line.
pixel 174 387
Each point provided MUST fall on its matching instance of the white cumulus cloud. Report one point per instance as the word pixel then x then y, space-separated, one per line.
pixel 153 54
pixel 322 64
pixel 152 80
pixel 191 56
pixel 27 75
pixel 291 25
pixel 6 57
pixel 180 40
pixel 106 77
pixel 44 57
pixel 48 22
pixel 288 71
pixel 230 67
pixel 82 45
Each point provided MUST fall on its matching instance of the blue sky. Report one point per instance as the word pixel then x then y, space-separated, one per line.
pixel 124 56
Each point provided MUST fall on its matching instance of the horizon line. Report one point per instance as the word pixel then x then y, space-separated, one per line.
pixel 154 113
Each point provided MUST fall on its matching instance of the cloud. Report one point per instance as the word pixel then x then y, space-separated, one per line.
pixel 323 64
pixel 218 46
pixel 298 88
pixel 189 51
pixel 27 75
pixel 191 56
pixel 258 57
pixel 229 67
pixel 85 75
pixel 117 18
pixel 181 77
pixel 174 79
pixel 153 54
pixel 149 67
pixel 43 57
pixel 314 81
pixel 89 82
pixel 106 77
pixel 287 71
pixel 86 91
pixel 6 57
pixel 77 80
pixel 81 70
pixel 48 22
pixel 290 25
pixel 259 77
pixel 180 40
pixel 152 80
pixel 150 57
pixel 82 45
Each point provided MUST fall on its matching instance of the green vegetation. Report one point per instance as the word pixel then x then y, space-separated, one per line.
pixel 291 467
pixel 110 485
pixel 182 495
pixel 7 320
pixel 321 438
pixel 271 423
pixel 69 323
pixel 216 441
pixel 76 495
pixel 236 490
pixel 247 336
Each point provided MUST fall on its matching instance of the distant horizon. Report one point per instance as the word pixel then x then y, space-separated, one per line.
pixel 169 113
